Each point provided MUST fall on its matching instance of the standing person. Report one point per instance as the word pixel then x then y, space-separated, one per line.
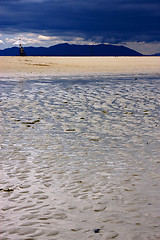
pixel 21 50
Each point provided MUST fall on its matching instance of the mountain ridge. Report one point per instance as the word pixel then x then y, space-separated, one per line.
pixel 65 49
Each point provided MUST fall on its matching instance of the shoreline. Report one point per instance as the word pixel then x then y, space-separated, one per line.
pixel 77 65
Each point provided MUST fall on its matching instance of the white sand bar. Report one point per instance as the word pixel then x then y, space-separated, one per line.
pixel 78 65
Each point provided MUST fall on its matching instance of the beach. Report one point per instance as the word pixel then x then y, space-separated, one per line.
pixel 78 65
pixel 80 140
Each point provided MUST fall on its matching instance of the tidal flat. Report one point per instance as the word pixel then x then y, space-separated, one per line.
pixel 80 157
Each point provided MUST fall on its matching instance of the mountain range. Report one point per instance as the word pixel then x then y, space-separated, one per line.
pixel 156 54
pixel 66 49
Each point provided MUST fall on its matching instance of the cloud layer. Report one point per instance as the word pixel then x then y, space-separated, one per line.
pixel 111 21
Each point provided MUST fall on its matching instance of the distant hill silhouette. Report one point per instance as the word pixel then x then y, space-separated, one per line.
pixel 156 54
pixel 66 49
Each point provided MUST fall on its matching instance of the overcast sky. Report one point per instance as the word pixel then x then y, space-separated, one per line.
pixel 134 23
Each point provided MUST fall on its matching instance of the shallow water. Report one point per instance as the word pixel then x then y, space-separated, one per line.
pixel 79 154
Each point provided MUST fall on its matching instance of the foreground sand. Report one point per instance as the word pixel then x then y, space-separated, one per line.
pixel 78 65
pixel 79 153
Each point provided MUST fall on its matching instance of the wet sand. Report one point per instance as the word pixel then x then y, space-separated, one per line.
pixel 77 65
pixel 79 154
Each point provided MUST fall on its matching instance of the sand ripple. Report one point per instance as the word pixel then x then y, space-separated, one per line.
pixel 80 158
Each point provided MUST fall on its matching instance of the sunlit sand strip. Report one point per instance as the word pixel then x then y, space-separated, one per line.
pixel 77 65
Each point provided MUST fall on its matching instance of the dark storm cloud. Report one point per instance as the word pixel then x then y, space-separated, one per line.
pixel 110 20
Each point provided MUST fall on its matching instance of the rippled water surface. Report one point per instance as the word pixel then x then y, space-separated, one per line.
pixel 80 158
